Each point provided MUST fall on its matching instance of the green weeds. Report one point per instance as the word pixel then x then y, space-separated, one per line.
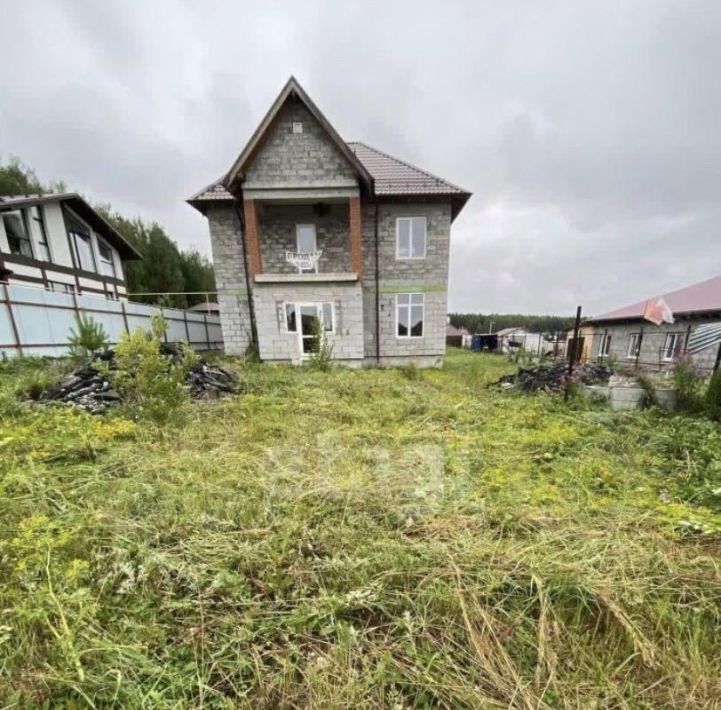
pixel 370 538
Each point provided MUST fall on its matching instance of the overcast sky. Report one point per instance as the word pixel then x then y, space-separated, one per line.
pixel 589 133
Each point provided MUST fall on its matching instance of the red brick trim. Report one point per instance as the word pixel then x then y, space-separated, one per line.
pixel 356 235
pixel 252 238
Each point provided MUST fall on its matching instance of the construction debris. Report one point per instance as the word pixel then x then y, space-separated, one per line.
pixel 89 389
pixel 553 378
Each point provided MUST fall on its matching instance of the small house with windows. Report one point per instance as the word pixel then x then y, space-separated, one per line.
pixel 311 232
pixel 658 332
pixel 59 242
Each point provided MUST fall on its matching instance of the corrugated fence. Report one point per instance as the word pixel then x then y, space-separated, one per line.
pixel 34 321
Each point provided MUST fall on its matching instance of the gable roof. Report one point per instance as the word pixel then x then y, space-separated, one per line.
pixel 126 250
pixel 701 297
pixel 293 88
pixel 384 175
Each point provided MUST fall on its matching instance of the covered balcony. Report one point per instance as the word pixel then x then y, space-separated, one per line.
pixel 303 235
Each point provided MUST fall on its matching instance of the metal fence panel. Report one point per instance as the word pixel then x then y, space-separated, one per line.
pixel 34 321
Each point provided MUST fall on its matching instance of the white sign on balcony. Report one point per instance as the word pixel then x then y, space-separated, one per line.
pixel 304 260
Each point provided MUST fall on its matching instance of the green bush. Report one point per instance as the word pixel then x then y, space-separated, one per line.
pixel 322 356
pixel 689 386
pixel 89 338
pixel 152 385
pixel 713 396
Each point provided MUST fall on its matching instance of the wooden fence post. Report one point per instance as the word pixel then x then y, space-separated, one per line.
pixel 13 324
pixel 574 349
pixel 125 316
pixel 207 332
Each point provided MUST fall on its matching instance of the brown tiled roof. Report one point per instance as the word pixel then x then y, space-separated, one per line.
pixel 214 192
pixel 392 176
pixel 697 298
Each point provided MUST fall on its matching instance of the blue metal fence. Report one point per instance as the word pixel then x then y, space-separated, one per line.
pixel 34 321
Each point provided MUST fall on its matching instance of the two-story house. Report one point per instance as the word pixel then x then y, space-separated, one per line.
pixel 307 229
pixel 61 243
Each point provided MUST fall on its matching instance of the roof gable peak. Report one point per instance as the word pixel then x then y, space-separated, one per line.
pixel 292 87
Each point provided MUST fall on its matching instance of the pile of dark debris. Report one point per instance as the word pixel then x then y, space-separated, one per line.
pixel 88 388
pixel 553 378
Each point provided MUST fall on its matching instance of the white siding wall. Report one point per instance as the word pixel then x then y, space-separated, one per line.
pixel 4 246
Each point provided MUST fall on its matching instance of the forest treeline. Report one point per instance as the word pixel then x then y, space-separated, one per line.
pixel 493 322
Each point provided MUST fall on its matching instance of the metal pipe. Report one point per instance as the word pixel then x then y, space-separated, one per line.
pixel 377 280
pixel 251 310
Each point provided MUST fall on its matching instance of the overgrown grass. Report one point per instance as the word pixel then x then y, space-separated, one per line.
pixel 370 539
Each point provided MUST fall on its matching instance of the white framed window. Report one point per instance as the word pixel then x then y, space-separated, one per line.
pixel 306 242
pixel 605 347
pixel 633 349
pixel 411 237
pixel 324 311
pixel 291 324
pixel 297 127
pixel 81 242
pixel 410 315
pixel 41 234
pixel 16 230
pixel 105 254
pixel 670 346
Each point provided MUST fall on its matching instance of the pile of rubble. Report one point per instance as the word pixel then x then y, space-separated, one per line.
pixel 553 378
pixel 89 389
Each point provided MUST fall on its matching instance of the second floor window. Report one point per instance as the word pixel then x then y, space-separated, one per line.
pixel 17 234
pixel 107 265
pixel 40 233
pixel 81 243
pixel 410 238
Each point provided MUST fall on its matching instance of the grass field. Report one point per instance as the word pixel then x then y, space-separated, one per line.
pixel 392 539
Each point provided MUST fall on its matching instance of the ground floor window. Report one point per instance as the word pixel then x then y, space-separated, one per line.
pixel 634 346
pixel 410 314
pixel 670 346
pixel 605 346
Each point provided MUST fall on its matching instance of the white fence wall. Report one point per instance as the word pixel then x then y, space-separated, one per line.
pixel 34 321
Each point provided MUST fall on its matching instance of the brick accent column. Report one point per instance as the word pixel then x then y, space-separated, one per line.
pixel 252 237
pixel 356 235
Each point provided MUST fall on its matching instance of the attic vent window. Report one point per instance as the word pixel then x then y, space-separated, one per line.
pixel 297 127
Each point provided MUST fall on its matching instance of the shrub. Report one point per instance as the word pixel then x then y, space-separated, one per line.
pixel 689 385
pixel 713 396
pixel 88 339
pixel 322 356
pixel 152 385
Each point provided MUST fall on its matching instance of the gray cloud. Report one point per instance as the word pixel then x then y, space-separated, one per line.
pixel 587 132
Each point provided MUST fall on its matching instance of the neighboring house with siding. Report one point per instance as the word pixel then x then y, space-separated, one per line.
pixel 61 243
pixel 627 337
pixel 306 228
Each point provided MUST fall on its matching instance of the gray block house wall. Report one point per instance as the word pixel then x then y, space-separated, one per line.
pixel 297 170
pixel 229 261
pixel 652 342
pixel 293 160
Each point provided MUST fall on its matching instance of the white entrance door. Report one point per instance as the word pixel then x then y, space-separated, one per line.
pixel 308 328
